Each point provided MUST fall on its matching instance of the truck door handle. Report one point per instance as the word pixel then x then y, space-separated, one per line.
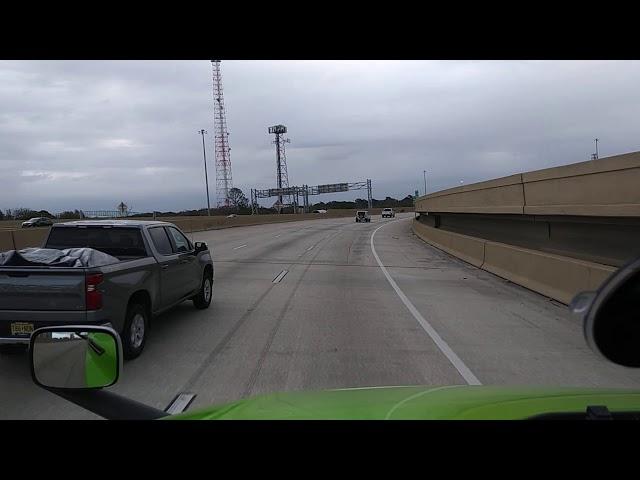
pixel 165 266
pixel 184 261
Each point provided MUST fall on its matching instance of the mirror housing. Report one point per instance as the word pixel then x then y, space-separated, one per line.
pixel 611 316
pixel 75 357
pixel 200 247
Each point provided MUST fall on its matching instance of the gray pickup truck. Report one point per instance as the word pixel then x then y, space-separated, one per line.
pixel 155 268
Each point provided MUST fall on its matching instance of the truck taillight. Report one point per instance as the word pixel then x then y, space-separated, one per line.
pixel 93 295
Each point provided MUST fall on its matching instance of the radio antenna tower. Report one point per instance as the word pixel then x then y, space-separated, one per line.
pixel 282 178
pixel 224 182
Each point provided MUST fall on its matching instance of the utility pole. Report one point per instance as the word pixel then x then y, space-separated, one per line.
pixel 425 181
pixel 597 149
pixel 206 178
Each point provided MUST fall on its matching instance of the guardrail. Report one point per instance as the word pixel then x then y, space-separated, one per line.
pixel 556 231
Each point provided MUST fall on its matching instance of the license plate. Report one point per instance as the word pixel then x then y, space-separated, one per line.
pixel 21 328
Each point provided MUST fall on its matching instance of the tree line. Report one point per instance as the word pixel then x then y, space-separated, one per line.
pixel 22 213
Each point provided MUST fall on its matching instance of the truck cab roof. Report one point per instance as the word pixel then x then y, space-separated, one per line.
pixel 111 223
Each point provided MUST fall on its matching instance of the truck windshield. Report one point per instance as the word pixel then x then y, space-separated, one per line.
pixel 116 241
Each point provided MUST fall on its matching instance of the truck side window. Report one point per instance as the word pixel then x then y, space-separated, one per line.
pixel 182 244
pixel 160 240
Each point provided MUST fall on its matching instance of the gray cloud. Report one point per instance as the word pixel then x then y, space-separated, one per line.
pixel 88 134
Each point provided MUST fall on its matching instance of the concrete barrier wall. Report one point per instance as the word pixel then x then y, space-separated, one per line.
pixel 23 238
pixel 502 195
pixel 189 224
pixel 469 249
pixel 6 241
pixel 555 276
pixel 205 222
pixel 603 187
pixel 30 237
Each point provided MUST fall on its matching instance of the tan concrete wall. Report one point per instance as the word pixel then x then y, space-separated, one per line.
pixel 502 195
pixel 469 249
pixel 23 238
pixel 603 187
pixel 555 276
pixel 6 241
pixel 207 223
pixel 30 237
pixel 221 221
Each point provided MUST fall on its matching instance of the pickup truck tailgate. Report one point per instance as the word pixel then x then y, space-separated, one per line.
pixel 42 288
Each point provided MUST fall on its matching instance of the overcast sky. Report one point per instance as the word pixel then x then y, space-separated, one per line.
pixel 89 134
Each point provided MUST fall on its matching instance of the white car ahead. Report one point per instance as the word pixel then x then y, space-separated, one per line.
pixel 388 213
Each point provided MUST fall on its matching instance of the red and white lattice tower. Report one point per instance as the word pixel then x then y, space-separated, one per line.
pixel 224 181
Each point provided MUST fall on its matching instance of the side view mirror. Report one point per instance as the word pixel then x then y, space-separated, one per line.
pixel 75 357
pixel 76 362
pixel 200 247
pixel 611 316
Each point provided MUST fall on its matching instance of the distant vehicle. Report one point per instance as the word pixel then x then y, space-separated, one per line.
pixel 362 216
pixel 233 215
pixel 388 213
pixel 37 222
pixel 155 267
pixel 319 211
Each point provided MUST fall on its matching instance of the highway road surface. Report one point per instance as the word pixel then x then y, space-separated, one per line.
pixel 329 303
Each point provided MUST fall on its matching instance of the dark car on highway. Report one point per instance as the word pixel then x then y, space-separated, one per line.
pixel 37 222
pixel 146 268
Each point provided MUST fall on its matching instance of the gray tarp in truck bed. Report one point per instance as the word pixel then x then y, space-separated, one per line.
pixel 49 257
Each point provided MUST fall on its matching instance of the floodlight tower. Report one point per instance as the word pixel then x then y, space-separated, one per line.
pixel 282 178
pixel 224 181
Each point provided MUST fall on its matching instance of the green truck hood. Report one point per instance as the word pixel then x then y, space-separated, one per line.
pixel 458 402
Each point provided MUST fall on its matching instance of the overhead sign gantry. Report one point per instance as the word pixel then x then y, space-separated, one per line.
pixel 296 193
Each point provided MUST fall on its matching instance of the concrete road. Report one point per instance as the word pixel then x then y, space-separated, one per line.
pixel 306 306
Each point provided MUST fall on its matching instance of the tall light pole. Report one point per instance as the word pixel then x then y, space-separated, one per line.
pixel 424 172
pixel 597 149
pixel 206 178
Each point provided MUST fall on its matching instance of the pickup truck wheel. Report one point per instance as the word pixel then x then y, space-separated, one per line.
pixel 134 333
pixel 203 299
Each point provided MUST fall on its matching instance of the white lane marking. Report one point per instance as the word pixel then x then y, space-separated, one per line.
pixel 277 236
pixel 180 403
pixel 310 247
pixel 419 394
pixel 240 246
pixel 459 365
pixel 280 276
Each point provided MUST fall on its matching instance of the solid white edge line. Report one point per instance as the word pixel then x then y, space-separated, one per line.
pixel 241 246
pixel 459 365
